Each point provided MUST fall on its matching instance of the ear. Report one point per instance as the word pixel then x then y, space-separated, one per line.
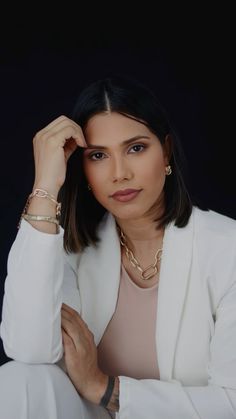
pixel 167 148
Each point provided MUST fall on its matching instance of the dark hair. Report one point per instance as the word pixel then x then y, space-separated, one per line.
pixel 81 212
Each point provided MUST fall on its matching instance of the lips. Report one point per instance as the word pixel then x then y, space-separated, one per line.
pixel 126 195
pixel 125 192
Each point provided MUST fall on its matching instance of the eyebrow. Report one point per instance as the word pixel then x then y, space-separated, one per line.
pixel 125 142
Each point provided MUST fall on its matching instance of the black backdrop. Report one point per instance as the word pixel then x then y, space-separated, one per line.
pixel 41 75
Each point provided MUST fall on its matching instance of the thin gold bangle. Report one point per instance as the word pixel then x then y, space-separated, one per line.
pixel 31 217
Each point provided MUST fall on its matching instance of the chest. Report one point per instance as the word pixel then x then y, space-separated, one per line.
pixel 136 275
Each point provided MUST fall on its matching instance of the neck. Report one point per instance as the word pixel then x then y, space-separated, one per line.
pixel 141 230
pixel 146 243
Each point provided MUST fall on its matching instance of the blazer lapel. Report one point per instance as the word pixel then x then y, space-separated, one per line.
pixel 174 275
pixel 99 278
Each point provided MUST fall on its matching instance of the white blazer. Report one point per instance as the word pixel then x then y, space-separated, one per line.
pixel 196 312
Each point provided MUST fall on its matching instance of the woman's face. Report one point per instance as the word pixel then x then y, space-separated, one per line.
pixel 124 156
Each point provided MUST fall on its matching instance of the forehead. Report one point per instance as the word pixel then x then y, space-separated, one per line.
pixel 113 125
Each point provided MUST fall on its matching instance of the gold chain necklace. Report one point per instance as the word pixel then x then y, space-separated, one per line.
pixel 148 272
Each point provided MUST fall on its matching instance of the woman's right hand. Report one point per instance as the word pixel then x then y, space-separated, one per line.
pixel 53 146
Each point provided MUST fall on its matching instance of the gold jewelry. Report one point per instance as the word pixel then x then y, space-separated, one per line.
pixel 168 170
pixel 152 269
pixel 89 187
pixel 31 217
pixel 41 193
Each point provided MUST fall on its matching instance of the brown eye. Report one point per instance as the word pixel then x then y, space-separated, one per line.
pixel 96 156
pixel 137 148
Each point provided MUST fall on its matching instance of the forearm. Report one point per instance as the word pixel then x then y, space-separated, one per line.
pixel 30 327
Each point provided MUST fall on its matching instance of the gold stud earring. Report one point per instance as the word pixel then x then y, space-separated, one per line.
pixel 168 170
pixel 89 187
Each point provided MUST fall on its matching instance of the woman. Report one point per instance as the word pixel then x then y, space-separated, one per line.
pixel 138 307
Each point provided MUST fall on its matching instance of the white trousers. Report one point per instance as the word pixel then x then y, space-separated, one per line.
pixel 42 391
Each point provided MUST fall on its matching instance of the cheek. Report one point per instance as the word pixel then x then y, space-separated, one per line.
pixel 154 171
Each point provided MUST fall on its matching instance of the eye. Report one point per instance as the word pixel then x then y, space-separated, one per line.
pixel 98 155
pixel 137 148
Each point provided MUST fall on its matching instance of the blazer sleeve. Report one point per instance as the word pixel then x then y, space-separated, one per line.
pixel 167 400
pixel 33 294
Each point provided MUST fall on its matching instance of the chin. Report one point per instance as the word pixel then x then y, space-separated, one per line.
pixel 127 213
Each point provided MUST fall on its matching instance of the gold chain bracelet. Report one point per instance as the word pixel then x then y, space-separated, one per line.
pixel 41 193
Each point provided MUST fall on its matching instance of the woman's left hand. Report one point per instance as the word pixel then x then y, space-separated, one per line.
pixel 81 356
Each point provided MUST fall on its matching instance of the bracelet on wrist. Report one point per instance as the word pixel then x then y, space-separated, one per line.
pixel 41 193
pixel 108 393
pixel 31 217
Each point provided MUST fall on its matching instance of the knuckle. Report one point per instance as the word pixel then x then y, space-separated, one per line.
pixel 51 140
pixel 36 137
pixel 62 117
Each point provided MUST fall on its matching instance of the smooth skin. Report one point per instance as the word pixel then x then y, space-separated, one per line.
pixel 110 164
pixel 139 164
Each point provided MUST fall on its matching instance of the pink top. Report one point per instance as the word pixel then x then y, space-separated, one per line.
pixel 128 345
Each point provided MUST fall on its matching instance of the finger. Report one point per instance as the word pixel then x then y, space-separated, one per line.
pixel 71 318
pixel 63 128
pixel 70 328
pixel 67 316
pixel 52 124
pixel 67 132
pixel 77 135
pixel 76 321
pixel 72 332
pixel 67 341
pixel 69 148
pixel 68 324
pixel 69 309
pixel 74 314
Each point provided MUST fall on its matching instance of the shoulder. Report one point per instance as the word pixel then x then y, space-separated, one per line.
pixel 214 238
pixel 214 251
pixel 213 224
pixel 215 243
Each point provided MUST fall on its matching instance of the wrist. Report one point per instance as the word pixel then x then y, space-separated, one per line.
pixel 51 189
pixel 114 403
pixel 110 397
pixel 102 387
pixel 95 390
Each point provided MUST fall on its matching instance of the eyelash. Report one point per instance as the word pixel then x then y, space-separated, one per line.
pixel 100 152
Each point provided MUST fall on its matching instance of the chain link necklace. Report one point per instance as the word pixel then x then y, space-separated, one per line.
pixel 148 272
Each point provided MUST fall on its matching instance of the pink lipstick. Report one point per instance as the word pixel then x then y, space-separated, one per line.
pixel 126 195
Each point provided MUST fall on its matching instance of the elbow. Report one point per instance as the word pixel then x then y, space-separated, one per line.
pixel 32 357
pixel 32 352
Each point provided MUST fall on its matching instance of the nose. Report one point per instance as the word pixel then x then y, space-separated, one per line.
pixel 120 169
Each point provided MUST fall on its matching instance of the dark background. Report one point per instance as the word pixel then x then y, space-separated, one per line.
pixel 187 60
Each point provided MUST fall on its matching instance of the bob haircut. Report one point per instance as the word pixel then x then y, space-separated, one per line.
pixel 81 212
